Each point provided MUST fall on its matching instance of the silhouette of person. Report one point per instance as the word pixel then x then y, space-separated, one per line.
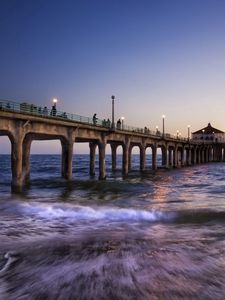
pixel 45 111
pixel 53 111
pixel 119 124
pixel 95 119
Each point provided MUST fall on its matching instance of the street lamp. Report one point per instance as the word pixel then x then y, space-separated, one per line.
pixel 54 102
pixel 122 119
pixel 53 111
pixel 157 129
pixel 163 119
pixel 188 132
pixel 113 121
pixel 177 134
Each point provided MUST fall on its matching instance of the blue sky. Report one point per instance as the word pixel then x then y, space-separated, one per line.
pixel 157 57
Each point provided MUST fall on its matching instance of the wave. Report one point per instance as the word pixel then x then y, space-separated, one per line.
pixel 87 213
pixel 77 213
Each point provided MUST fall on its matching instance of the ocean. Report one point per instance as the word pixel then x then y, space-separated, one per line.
pixel 149 236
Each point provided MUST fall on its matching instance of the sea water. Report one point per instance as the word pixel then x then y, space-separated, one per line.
pixel 150 236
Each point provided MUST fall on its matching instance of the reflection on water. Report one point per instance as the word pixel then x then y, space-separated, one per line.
pixel 155 236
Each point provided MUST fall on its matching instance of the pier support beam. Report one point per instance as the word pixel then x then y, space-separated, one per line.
pixel 202 155
pixel 130 158
pixel 67 159
pixel 142 158
pixel 26 159
pixel 154 158
pixel 223 152
pixel 92 147
pixel 17 162
pixel 188 156
pixel 193 156
pixel 182 157
pixel 101 148
pixel 164 157
pixel 175 157
pixel 126 156
pixel 113 151
pixel 170 157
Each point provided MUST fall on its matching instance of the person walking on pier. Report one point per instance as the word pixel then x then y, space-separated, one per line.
pixel 118 124
pixel 95 119
pixel 53 111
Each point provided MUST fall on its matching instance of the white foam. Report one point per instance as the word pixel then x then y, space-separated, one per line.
pixel 78 212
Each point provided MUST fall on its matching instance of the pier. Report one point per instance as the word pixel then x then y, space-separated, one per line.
pixel 24 123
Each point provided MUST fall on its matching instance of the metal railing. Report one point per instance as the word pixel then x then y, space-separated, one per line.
pixel 45 112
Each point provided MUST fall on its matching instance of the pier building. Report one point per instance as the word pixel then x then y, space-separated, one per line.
pixel 209 133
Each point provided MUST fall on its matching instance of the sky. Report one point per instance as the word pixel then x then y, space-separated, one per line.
pixel 156 56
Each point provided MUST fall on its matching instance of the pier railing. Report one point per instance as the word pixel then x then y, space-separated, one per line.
pixel 46 112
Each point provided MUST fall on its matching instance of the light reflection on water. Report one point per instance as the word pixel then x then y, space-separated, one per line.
pixel 151 236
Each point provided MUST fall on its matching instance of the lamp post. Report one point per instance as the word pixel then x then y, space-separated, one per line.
pixel 157 129
pixel 53 111
pixel 122 119
pixel 188 132
pixel 163 120
pixel 177 134
pixel 113 120
pixel 54 102
pixel 203 131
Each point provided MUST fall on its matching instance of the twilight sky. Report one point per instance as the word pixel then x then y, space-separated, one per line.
pixel 156 56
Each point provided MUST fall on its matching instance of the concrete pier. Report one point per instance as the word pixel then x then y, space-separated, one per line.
pixel 24 128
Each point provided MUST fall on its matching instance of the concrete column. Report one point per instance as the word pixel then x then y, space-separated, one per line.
pixel 170 157
pixel 202 155
pixel 220 154
pixel 26 159
pixel 223 155
pixel 188 156
pixel 199 156
pixel 210 154
pixel 175 157
pixel 217 153
pixel 67 159
pixel 164 157
pixel 16 162
pixel 182 157
pixel 113 151
pixel 92 147
pixel 193 156
pixel 101 147
pixel 126 158
pixel 142 158
pixel 154 157
pixel 130 158
pixel 207 155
